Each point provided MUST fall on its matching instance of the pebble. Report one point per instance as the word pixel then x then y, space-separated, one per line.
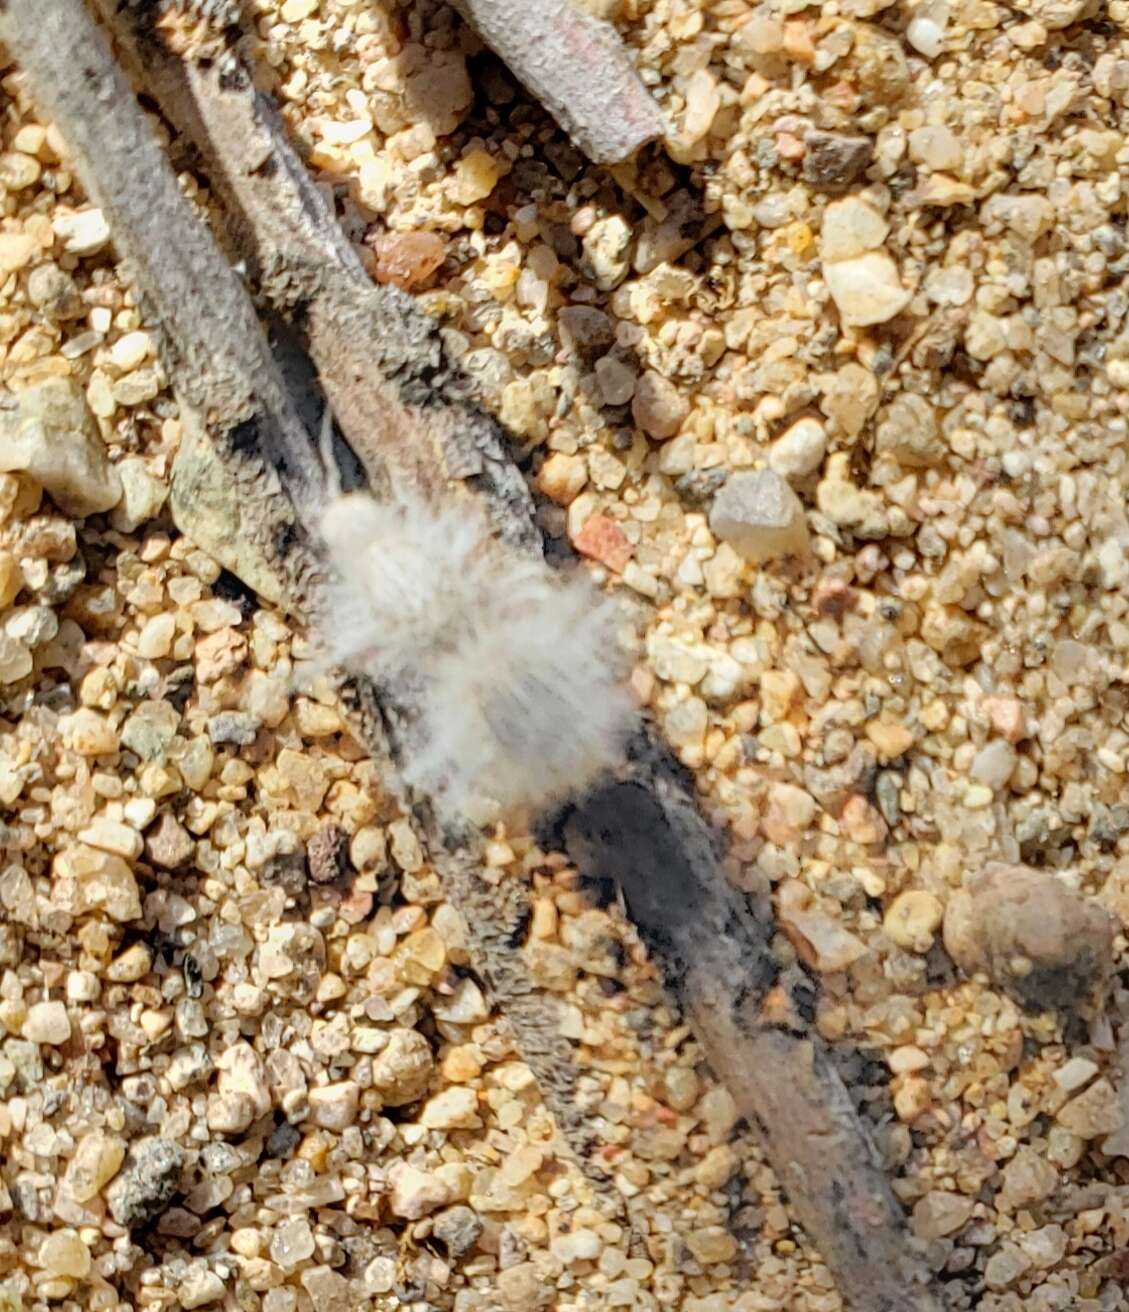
pixel 851 227
pixel 824 943
pixel 97 1159
pixel 616 379
pixel 243 1074
pixel 789 814
pixel 1054 15
pixel 912 920
pixel 1072 1075
pixel 408 259
pixel 585 329
pixel 82 232
pixel 890 740
pixel 858 509
pixel 711 1245
pixel 292 1243
pixel 833 160
pixel 994 764
pixel 657 406
pixel 327 855
pixel 452 1109
pixel 143 495
pixel 1031 934
pixel 233 728
pixel 861 822
pixel 940 1213
pixel 16 660
pixel 476 176
pixel 759 516
pixel 102 882
pixel 1005 1267
pixel 147 1182
pixel 866 289
pixel 17 250
pixel 602 539
pixel 1096 1111
pixel 63 1253
pixel 31 625
pixel 1005 716
pixel 334 1106
pixel 199 1286
pixel 522 1289
pixel 935 145
pixel 18 170
pixel 562 477
pixel 458 1229
pixel 1028 1178
pixel 11 579
pixel 113 836
pixel 926 35
pixel 909 432
pixel 47 1022
pixel 154 642
pixel 168 844
pixel 799 451
pixel 465 1006
pixel 52 289
pixel 415 1193
pixel 131 965
pixel 51 435
pixel 606 252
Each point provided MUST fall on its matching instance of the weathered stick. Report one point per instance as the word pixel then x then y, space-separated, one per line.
pixel 379 361
pixel 576 66
pixel 715 953
pixel 228 384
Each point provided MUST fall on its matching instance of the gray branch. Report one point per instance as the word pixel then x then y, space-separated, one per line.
pixel 576 66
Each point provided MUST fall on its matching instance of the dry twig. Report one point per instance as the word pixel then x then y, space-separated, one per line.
pixel 576 66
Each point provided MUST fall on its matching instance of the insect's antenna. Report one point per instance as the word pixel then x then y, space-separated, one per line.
pixel 325 448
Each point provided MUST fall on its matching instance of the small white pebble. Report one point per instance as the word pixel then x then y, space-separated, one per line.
pixel 47 1022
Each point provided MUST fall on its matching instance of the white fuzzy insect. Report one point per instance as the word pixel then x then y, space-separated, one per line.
pixel 513 671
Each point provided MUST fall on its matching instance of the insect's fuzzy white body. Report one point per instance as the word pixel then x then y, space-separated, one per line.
pixel 513 671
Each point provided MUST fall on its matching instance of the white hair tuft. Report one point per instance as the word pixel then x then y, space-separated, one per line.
pixel 512 670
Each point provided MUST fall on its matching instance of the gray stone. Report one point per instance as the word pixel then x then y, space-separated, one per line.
pixel 760 516
pixel 48 431
pixel 234 728
pixel 458 1228
pixel 150 729
pixel 147 1183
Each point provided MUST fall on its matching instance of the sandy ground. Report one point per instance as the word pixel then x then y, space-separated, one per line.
pixel 881 259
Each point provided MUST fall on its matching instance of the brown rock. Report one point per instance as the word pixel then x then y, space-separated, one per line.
pixel 658 407
pixel 168 843
pixel 833 160
pixel 1031 934
pixel 407 259
pixel 328 855
pixel 602 539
